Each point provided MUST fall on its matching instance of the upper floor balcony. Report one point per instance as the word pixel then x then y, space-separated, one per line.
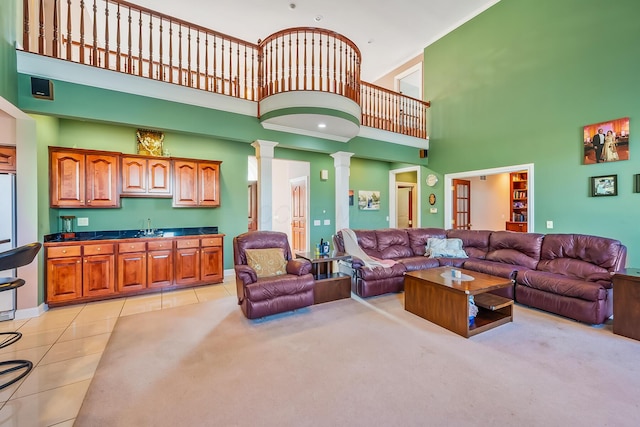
pixel 304 80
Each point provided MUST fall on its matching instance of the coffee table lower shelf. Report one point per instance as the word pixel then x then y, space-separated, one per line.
pixel 336 286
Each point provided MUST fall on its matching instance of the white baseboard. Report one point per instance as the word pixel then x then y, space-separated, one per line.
pixel 27 313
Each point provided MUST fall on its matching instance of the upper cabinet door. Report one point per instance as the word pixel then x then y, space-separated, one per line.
pixel 8 159
pixel 159 173
pixel 134 176
pixel 102 181
pixel 67 179
pixel 208 184
pixel 186 183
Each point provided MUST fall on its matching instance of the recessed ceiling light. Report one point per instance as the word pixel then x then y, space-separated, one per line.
pixel 318 18
pixel 292 6
pixel 322 125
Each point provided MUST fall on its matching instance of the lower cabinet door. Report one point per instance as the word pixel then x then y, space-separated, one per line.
pixel 187 266
pixel 211 264
pixel 64 279
pixel 132 271
pixel 98 275
pixel 160 268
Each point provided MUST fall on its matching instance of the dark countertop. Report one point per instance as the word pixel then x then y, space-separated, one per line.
pixel 130 234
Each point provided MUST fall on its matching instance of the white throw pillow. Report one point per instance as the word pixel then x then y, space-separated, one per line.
pixel 449 248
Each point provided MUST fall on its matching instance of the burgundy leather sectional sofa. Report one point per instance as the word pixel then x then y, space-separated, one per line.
pixel 566 274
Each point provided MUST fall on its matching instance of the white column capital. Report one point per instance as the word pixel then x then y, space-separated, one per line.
pixel 264 148
pixel 341 158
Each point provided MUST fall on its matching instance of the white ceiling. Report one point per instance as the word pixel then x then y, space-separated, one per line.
pixel 388 33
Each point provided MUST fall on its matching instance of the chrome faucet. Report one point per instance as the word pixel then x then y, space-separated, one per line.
pixel 148 231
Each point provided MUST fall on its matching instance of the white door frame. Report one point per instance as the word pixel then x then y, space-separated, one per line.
pixel 393 198
pixel 448 189
pixel 405 73
pixel 414 199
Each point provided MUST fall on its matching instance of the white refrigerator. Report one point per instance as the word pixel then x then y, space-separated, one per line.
pixel 7 231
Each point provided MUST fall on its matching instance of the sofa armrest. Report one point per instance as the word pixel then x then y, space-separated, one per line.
pixel 246 274
pixel 356 262
pixel 298 267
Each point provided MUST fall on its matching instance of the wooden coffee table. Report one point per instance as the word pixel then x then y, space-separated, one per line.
pixel 445 300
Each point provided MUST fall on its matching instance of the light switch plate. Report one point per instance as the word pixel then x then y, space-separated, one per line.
pixel 83 222
pixel 433 210
pixel 316 222
pixel 549 224
pixel 327 222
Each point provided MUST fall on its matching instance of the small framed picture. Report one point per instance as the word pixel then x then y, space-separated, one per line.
pixel 606 185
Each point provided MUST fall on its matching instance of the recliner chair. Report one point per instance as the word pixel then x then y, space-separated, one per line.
pixel 14 258
pixel 259 297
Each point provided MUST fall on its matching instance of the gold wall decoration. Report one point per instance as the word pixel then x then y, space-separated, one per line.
pixel 149 142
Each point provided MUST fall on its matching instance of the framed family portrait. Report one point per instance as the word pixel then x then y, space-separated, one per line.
pixel 606 185
pixel 606 141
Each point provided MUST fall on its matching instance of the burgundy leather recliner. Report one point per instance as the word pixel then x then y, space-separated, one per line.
pixel 259 297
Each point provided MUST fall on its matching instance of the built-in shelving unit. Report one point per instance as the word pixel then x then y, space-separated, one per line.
pixel 518 202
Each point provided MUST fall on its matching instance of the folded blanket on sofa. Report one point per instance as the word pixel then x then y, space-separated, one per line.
pixel 352 247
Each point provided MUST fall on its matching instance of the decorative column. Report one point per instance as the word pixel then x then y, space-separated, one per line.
pixel 264 155
pixel 342 163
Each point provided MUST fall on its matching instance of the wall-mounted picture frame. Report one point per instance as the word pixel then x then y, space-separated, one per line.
pixel 606 141
pixel 350 197
pixel 149 142
pixel 369 200
pixel 605 185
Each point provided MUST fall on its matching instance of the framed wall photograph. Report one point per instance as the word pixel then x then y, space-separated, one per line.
pixel 606 185
pixel 606 141
pixel 369 200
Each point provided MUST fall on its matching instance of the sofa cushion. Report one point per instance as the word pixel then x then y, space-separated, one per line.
pixel 415 263
pixel 562 285
pixel 585 257
pixel 495 268
pixel 418 238
pixel 474 242
pixel 267 262
pixel 376 273
pixel 393 243
pixel 515 248
pixel 368 241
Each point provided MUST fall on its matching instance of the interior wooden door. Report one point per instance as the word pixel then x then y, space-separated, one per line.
pixel 253 205
pixel 299 216
pixel 461 204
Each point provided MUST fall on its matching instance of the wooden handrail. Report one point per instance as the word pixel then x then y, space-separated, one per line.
pixel 125 37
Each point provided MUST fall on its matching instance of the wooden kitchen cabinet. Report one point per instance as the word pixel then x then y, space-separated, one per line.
pixel 98 269
pixel 196 183
pixel 144 176
pixel 132 267
pixel 83 178
pixel 7 159
pixel 187 261
pixel 160 263
pixel 64 273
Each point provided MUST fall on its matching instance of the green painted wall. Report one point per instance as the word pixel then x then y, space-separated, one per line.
pixel 8 73
pixel 134 212
pixel 368 175
pixel 516 85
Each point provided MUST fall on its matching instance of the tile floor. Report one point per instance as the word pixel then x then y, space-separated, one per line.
pixel 65 345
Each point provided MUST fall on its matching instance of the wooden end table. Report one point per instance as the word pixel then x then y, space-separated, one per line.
pixel 626 303
pixel 329 286
pixel 438 297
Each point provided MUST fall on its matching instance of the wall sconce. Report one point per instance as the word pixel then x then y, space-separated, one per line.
pixel 324 174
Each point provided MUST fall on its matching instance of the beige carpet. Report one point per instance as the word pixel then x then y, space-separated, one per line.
pixel 359 363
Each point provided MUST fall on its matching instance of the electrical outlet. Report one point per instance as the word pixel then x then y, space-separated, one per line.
pixel 83 222
pixel 549 224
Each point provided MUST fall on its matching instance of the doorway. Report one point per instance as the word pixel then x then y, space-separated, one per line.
pixel 406 206
pixel 299 214
pixel 479 201
pixel 405 176
pixel 461 205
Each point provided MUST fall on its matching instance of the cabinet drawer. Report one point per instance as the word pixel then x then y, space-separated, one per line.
pixel 63 251
pixel 188 243
pixel 157 245
pixel 98 249
pixel 211 241
pixel 132 247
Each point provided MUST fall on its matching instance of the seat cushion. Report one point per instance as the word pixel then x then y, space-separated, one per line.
pixel 493 268
pixel 276 286
pixel 562 285
pixel 267 262
pixel 419 263
pixel 376 273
